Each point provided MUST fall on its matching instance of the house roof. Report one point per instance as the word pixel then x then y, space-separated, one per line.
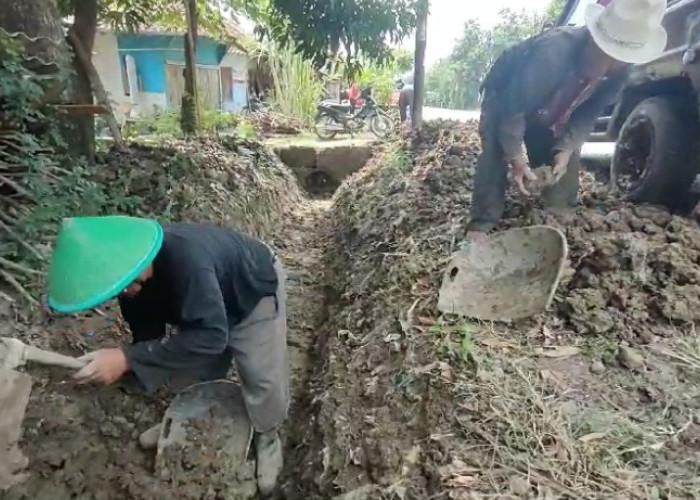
pixel 231 34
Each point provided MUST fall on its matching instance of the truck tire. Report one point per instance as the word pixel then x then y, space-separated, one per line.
pixel 656 154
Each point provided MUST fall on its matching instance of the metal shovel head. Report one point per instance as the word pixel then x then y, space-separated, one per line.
pixel 509 275
pixel 209 418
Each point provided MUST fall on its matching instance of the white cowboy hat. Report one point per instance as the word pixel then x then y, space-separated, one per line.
pixel 628 30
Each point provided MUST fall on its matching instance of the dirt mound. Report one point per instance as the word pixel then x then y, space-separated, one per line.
pixel 229 181
pixel 410 404
pixel 82 441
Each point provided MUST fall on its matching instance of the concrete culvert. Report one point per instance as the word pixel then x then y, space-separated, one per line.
pixel 322 167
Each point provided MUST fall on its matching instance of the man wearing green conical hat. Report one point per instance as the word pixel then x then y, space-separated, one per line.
pixel 222 291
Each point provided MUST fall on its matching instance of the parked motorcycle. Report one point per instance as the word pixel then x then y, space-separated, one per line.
pixel 334 118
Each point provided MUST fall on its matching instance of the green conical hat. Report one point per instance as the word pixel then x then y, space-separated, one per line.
pixel 95 258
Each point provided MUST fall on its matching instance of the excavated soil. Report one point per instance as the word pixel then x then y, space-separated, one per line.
pixel 597 398
pixel 203 468
pixel 81 441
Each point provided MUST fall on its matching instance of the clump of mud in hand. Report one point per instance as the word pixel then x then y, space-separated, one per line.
pixel 210 465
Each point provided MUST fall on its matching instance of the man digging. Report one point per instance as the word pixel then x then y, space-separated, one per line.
pixel 222 291
pixel 547 93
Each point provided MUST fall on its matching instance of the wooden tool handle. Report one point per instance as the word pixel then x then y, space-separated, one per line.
pixel 53 358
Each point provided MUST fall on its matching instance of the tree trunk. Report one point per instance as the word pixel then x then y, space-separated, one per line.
pixel 419 75
pixel 84 27
pixel 85 61
pixel 37 25
pixel 190 102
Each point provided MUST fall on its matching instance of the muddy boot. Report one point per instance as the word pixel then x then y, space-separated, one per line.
pixel 268 449
pixel 148 440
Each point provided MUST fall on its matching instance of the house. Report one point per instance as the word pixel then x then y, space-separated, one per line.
pixel 144 71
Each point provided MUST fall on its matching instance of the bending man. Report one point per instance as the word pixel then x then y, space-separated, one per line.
pixel 547 93
pixel 222 291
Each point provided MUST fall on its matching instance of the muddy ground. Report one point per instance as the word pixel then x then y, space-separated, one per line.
pixel 598 398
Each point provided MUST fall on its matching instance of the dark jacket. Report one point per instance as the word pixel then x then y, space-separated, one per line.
pixel 205 281
pixel 526 76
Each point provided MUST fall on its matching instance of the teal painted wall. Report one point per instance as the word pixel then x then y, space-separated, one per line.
pixel 150 64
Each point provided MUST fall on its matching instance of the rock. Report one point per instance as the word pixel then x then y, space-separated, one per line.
pixel 630 358
pixel 597 367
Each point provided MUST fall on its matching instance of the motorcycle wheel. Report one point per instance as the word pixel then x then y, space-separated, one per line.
pixel 381 125
pixel 321 127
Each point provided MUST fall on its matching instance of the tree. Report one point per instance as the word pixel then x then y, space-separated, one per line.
pixel 357 29
pixel 403 60
pixel 555 9
pixel 382 77
pixel 455 81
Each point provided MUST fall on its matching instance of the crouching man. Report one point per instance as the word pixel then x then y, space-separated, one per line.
pixel 546 94
pixel 222 291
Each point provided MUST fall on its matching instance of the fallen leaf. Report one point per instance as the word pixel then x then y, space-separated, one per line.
pixel 426 320
pixel 546 332
pixel 559 352
pixel 497 344
pixel 461 481
pixel 593 436
pixel 553 378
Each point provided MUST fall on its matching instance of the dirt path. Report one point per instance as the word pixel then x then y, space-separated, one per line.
pixel 302 246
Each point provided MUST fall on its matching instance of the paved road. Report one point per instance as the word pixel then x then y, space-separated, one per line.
pixel 590 151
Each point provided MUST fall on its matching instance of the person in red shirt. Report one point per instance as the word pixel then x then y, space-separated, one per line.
pixel 355 95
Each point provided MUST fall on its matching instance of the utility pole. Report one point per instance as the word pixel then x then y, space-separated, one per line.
pixel 419 64
pixel 189 113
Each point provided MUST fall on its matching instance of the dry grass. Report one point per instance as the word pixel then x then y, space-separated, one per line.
pixel 434 407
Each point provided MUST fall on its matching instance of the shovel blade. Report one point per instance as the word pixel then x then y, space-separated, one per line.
pixel 208 413
pixel 508 276
pixel 15 388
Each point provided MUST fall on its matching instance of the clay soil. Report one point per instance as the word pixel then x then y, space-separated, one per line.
pixel 598 398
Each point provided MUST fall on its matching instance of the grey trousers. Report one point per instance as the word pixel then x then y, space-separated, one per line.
pixel 259 348
pixel 491 178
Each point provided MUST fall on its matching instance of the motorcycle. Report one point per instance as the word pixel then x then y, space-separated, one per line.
pixel 334 118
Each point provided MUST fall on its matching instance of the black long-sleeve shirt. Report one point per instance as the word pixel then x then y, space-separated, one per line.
pixel 205 280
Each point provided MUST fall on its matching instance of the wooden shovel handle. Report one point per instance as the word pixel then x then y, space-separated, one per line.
pixel 53 358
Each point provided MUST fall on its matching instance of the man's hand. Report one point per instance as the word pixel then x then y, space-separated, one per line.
pixel 105 366
pixel 561 163
pixel 520 170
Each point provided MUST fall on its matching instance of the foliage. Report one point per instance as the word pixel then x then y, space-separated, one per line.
pixel 454 82
pixel 50 183
pixel 555 9
pixel 296 88
pixel 357 29
pixel 166 123
pixel 132 15
pixel 382 77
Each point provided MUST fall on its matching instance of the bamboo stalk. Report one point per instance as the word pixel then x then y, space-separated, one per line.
pixel 21 241
pixel 18 267
pixel 15 186
pixel 16 285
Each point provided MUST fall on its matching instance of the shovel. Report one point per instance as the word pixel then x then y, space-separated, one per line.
pixel 507 276
pixel 15 388
pixel 205 428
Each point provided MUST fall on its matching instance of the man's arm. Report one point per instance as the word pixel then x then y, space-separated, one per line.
pixel 584 117
pixel 511 135
pixel 202 335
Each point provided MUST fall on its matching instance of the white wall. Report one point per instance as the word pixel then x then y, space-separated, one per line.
pixel 238 62
pixel 107 62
